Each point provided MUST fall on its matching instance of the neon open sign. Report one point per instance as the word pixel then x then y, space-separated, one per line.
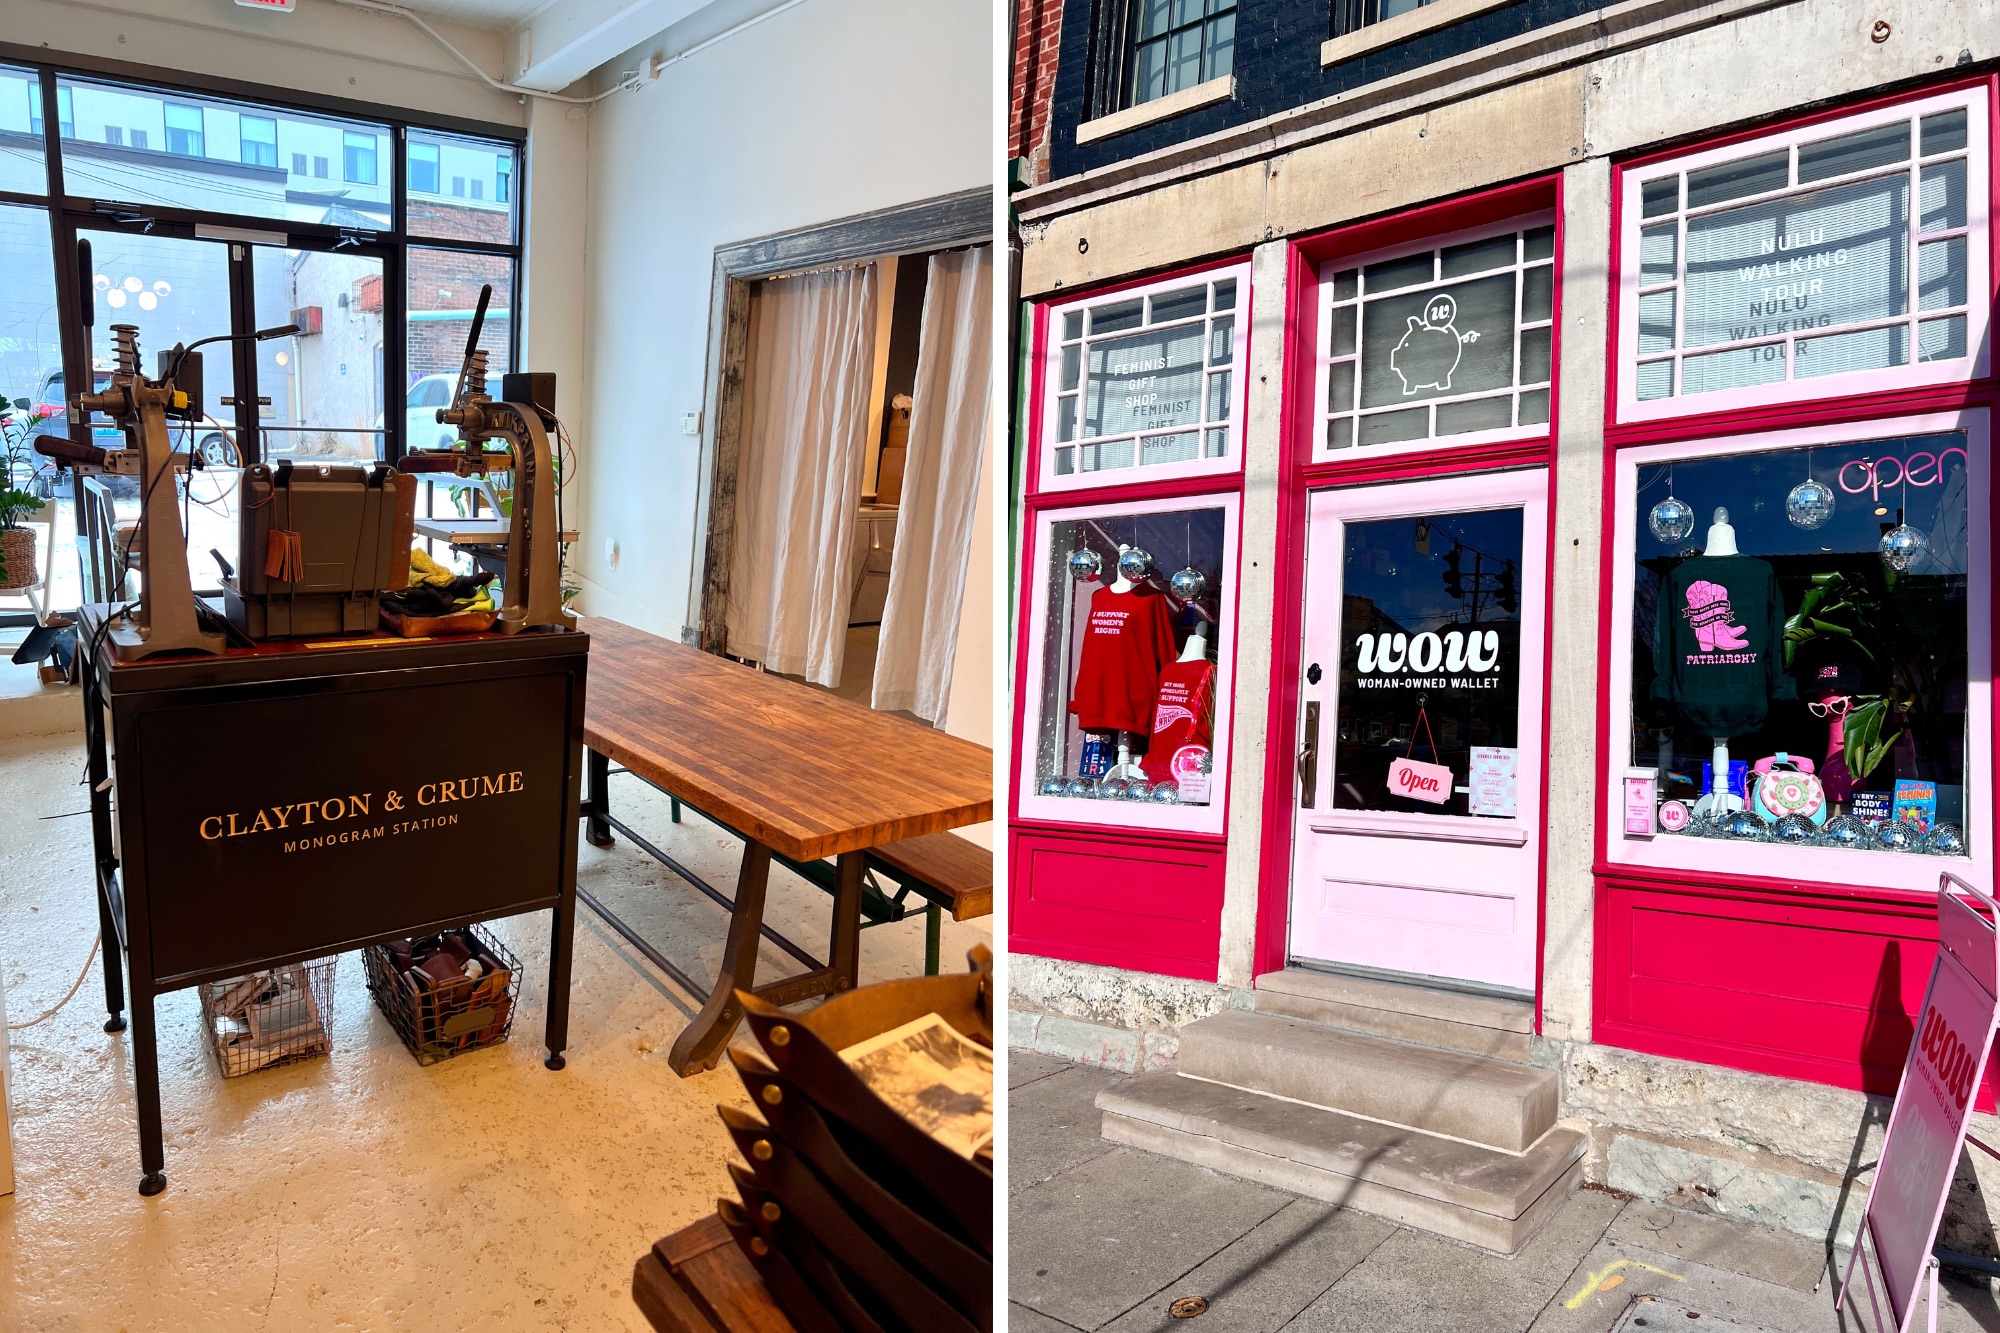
pixel 1922 468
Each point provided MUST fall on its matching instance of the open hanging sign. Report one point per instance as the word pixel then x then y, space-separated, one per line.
pixel 1416 779
pixel 1927 1128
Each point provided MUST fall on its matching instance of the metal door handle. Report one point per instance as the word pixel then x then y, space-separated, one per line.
pixel 1308 760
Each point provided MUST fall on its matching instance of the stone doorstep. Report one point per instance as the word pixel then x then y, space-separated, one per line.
pixel 1493 1102
pixel 1458 1190
pixel 1477 1024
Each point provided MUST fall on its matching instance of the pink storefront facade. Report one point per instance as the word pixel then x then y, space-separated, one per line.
pixel 1432 495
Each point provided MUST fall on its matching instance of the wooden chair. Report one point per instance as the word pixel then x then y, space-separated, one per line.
pixel 698 1281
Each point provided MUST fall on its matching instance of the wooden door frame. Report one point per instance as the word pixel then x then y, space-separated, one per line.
pixel 965 218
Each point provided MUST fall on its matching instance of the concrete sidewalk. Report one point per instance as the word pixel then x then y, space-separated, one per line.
pixel 1106 1237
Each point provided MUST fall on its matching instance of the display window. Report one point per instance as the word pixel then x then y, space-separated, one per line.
pixel 1801 653
pixel 1142 385
pixel 1126 682
pixel 1842 257
pixel 1447 342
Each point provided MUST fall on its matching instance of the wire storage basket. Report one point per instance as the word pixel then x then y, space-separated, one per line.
pixel 445 994
pixel 270 1018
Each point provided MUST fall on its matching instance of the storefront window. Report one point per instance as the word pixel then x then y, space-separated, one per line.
pixel 1448 343
pixel 1131 611
pixel 1430 664
pixel 1809 616
pixel 1143 384
pixel 1786 266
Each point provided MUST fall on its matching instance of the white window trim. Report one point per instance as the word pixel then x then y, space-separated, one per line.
pixel 1432 443
pixel 1914 375
pixel 1403 27
pixel 1177 103
pixel 1129 814
pixel 1230 464
pixel 1825 865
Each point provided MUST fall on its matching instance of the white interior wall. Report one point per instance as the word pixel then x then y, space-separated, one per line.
pixel 823 111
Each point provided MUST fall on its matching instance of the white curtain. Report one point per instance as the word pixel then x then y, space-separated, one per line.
pixel 798 480
pixel 949 418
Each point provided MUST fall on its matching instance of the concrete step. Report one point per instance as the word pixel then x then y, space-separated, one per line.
pixel 1478 1024
pixel 1491 1102
pixel 1472 1194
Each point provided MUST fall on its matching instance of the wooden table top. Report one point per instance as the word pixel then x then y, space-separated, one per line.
pixel 806 774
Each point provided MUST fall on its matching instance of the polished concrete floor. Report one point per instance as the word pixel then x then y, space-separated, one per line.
pixel 361 1191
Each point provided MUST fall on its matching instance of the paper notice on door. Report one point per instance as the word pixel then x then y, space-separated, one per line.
pixel 1495 770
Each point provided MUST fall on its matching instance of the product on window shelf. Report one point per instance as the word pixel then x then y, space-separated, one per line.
pixel 1717 649
pixel 1183 714
pixel 1128 641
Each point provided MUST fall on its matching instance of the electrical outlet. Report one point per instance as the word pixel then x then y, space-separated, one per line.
pixel 691 423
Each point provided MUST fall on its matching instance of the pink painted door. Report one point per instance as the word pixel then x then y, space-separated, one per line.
pixel 1418 802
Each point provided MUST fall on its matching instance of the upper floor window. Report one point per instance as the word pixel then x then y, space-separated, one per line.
pixel 1177 44
pixel 358 157
pixel 503 181
pixel 1142 384
pixel 258 139
pixel 1450 341
pixel 423 168
pixel 1841 257
pixel 1351 15
pixel 184 130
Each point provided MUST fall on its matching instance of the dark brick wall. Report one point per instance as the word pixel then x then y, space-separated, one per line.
pixel 1277 68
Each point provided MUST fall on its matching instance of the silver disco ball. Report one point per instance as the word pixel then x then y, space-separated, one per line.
pixel 1190 584
pixel 1844 831
pixel 1745 827
pixel 1135 564
pixel 1671 520
pixel 1945 840
pixel 1079 788
pixel 1899 835
pixel 1795 829
pixel 1903 546
pixel 1810 504
pixel 1085 564
pixel 1166 794
pixel 1111 789
pixel 1052 787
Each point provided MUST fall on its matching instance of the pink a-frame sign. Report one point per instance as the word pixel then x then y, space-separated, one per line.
pixel 1927 1129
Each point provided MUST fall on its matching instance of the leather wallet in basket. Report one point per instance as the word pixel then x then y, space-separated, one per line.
pixel 851 1205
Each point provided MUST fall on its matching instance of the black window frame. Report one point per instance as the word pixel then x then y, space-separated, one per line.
pixel 1136 44
pixel 69 213
pixel 1354 15
pixel 1113 54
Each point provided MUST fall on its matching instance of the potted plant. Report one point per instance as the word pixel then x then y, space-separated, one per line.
pixel 17 544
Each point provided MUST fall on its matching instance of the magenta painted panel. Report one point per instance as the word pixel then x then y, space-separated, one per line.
pixel 1796 989
pixel 1117 902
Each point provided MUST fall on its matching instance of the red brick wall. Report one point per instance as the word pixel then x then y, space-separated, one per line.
pixel 449 280
pixel 1037 40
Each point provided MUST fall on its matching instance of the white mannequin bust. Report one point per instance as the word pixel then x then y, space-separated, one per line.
pixel 1196 647
pixel 1121 583
pixel 1721 537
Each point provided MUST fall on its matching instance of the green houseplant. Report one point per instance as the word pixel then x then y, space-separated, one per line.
pixel 17 545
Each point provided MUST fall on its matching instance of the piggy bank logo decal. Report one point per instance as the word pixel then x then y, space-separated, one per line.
pixel 1427 357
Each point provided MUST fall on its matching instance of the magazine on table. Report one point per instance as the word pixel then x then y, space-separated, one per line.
pixel 935 1077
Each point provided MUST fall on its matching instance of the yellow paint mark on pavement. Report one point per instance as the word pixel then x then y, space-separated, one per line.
pixel 1604 1279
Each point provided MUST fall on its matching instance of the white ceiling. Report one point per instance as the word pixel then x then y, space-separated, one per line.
pixel 493 15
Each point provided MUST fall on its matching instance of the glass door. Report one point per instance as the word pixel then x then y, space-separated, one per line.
pixel 320 391
pixel 1418 824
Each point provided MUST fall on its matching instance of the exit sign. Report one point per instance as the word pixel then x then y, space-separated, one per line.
pixel 282 6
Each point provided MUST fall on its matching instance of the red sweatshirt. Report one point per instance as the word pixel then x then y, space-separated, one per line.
pixel 1183 715
pixel 1128 640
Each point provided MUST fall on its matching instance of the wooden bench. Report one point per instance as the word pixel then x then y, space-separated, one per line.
pixel 948 872
pixel 697 1281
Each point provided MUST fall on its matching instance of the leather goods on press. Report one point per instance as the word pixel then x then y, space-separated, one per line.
pixel 318 545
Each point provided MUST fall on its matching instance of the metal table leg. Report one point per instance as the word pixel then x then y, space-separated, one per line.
pixel 597 801
pixel 98 766
pixel 700 1045
pixel 146 1082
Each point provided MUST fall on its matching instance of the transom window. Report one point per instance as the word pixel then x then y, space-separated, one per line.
pixel 1177 44
pixel 1143 383
pixel 1449 342
pixel 1786 267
